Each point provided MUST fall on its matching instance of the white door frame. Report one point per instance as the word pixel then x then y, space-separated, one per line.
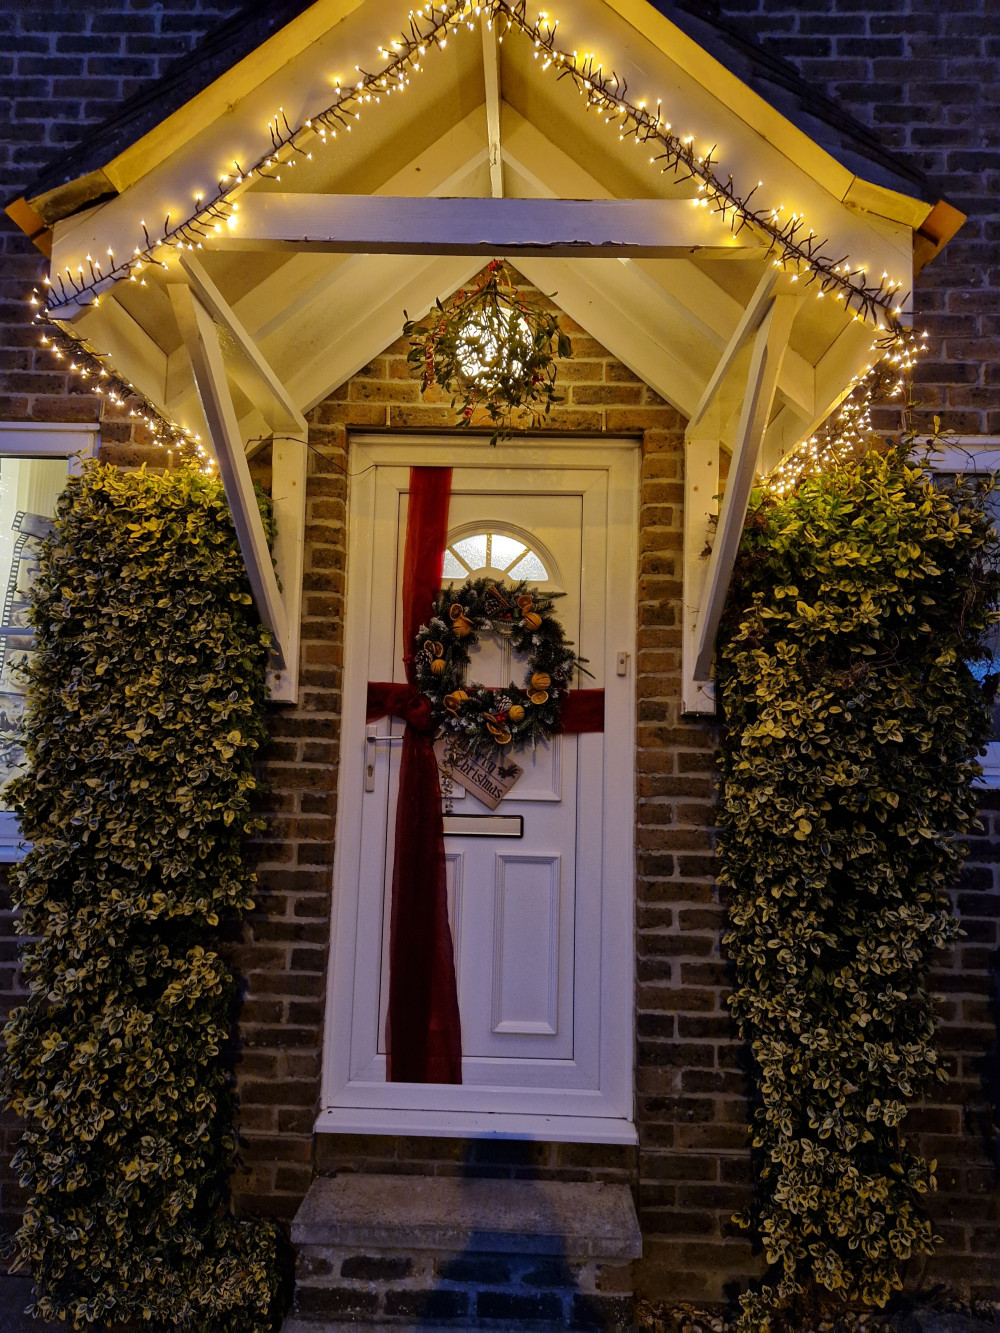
pixel 601 1114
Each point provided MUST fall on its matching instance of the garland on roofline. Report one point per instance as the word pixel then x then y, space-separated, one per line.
pixel 433 24
pixel 788 238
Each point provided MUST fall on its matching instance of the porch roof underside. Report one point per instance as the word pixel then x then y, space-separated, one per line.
pixel 315 317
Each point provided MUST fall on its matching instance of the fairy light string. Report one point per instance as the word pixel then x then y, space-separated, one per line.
pixel 794 246
pixel 848 430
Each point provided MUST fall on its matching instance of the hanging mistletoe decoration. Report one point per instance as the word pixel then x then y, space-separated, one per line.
pixel 483 719
pixel 491 348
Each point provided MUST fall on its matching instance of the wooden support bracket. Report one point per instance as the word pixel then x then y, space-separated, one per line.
pixel 252 372
pixel 701 505
pixel 701 626
pixel 202 342
pixel 491 74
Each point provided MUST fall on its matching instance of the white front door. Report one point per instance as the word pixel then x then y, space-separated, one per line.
pixel 540 903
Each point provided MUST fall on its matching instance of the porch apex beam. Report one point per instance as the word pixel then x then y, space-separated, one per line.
pixel 491 75
pixel 382 224
pixel 202 342
pixel 762 379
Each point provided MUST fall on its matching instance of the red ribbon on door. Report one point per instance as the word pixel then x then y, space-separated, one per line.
pixel 423 1033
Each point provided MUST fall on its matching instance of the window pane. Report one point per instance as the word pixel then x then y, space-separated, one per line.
pixel 530 567
pixel 473 550
pixel 505 551
pixel 989 666
pixel 29 488
pixel 452 568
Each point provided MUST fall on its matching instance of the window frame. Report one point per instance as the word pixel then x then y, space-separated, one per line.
pixel 968 455
pixel 76 442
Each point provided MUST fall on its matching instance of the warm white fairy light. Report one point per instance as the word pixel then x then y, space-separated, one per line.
pixel 850 429
pixel 797 249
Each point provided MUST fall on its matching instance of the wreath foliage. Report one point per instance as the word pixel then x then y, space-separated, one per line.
pixel 145 714
pixel 482 718
pixel 853 723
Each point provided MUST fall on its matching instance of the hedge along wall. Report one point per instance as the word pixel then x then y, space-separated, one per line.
pixel 852 722
pixel 145 713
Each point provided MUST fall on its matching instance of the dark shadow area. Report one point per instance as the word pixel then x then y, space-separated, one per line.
pixel 536 1287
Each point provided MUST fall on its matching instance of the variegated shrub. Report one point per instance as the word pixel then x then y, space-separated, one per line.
pixel 853 724
pixel 145 715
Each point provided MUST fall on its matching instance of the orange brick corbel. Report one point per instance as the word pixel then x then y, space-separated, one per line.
pixel 24 216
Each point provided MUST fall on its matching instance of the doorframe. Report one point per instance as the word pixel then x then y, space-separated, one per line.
pixel 605 1114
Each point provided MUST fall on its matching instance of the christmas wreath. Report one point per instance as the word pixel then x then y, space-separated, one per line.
pixel 480 718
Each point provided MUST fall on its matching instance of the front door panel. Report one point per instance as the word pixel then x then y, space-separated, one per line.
pixel 533 962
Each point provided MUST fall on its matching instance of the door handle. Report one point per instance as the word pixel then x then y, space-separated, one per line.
pixel 373 740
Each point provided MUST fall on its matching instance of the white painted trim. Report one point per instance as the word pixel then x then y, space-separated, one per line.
pixel 768 349
pixel 478 1125
pixel 601 1114
pixel 76 441
pixel 962 453
pixel 382 224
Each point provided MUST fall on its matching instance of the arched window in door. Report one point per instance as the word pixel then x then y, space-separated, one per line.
pixel 479 552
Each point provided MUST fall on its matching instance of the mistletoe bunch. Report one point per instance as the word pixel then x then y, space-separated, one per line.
pixel 491 348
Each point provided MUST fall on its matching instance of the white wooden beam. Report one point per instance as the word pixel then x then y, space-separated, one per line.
pixel 491 74
pixel 289 468
pixel 257 380
pixel 765 363
pixel 701 505
pixel 748 325
pixel 202 343
pixel 380 224
pixel 289 476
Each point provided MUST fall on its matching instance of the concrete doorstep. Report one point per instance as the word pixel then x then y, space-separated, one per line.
pixel 417 1252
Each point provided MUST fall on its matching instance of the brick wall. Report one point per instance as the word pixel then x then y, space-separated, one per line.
pixel 930 90
pixel 64 67
pixel 925 76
